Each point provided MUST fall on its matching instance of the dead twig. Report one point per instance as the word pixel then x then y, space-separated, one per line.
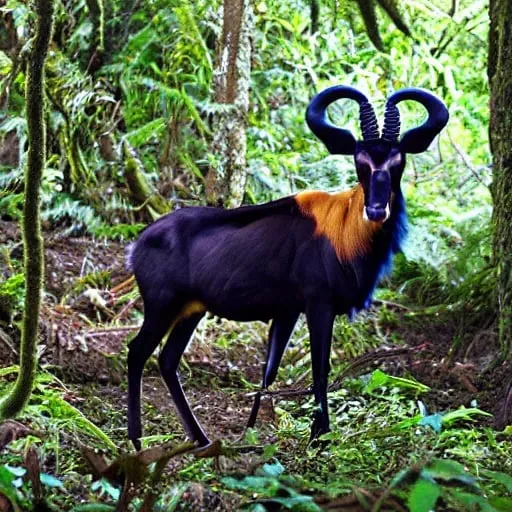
pixel 466 160
pixel 8 342
pixel 125 310
pixel 107 331
pixel 128 283
pixel 360 362
pixel 366 359
pixel 389 304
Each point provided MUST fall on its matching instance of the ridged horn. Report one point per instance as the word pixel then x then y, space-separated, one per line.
pixel 340 141
pixel 415 140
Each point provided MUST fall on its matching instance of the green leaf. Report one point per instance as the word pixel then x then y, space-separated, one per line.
pixel 380 379
pixel 141 135
pixel 436 421
pixel 6 477
pixel 471 501
pixel 258 484
pixel 93 507
pixel 463 414
pixel 448 471
pixel 499 477
pixel 402 476
pixel 305 502
pixel 423 496
pixel 5 64
pixel 274 470
pixel 59 409
pixel 13 124
pixel 269 451
pixel 501 503
pixel 50 480
pixel 105 487
pixel 16 471
pixel 285 24
pixel 433 420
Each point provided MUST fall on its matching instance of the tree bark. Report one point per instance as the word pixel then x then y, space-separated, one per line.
pixel 16 399
pixel 227 176
pixel 500 132
pixel 97 12
pixel 140 191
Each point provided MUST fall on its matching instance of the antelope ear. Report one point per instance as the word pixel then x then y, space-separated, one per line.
pixel 417 140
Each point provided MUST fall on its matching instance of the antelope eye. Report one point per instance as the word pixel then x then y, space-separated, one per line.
pixel 395 162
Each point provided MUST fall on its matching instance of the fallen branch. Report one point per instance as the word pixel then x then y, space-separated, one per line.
pixel 360 362
pixel 125 310
pixel 111 330
pixel 127 283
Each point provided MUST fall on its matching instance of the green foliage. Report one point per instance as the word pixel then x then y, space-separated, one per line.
pixel 375 435
pixel 9 483
pixel 50 411
pixel 154 93
pixel 271 488
pixel 450 481
pixel 117 232
pixel 12 293
pixel 381 379
pixel 437 420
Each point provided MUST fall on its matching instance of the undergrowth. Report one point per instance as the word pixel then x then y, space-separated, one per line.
pixel 385 448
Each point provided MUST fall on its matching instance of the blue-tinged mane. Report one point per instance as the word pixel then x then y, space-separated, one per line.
pixel 395 232
pixel 399 227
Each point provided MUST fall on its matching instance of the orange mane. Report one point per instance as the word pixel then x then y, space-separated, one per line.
pixel 339 217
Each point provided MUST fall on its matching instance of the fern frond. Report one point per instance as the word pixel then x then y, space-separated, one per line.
pixel 192 32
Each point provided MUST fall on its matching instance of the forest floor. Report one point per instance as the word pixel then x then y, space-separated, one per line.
pixel 91 310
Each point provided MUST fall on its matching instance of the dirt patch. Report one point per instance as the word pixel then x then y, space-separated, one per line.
pixel 458 374
pixel 77 335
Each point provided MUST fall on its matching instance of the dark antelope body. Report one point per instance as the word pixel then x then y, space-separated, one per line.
pixel 315 253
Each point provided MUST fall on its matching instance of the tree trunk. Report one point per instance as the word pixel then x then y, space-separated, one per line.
pixel 14 402
pixel 97 13
pixel 500 131
pixel 227 176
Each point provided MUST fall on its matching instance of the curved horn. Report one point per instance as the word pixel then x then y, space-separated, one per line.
pixel 338 140
pixel 415 140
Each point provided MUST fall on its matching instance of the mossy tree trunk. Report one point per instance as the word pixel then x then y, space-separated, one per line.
pixel 15 400
pixel 141 193
pixel 97 12
pixel 500 131
pixel 227 176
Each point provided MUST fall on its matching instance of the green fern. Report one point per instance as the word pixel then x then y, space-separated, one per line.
pixel 117 232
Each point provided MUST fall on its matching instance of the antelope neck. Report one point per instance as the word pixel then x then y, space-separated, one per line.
pixel 339 218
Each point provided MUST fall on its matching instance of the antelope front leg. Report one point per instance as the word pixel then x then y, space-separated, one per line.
pixel 320 318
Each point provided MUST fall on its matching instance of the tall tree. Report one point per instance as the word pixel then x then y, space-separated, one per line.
pixel 15 400
pixel 500 131
pixel 227 176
